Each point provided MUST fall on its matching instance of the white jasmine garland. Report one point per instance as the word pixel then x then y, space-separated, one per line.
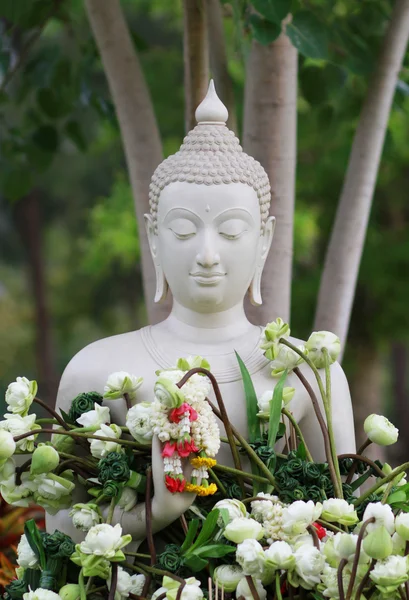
pixel 339 511
pixel 138 421
pixel 280 556
pixel 127 584
pixel 41 594
pixel 241 529
pixel 299 515
pixel 95 418
pixel 205 430
pixel 234 508
pixel 317 342
pixel 17 425
pixel 380 431
pixel 85 516
pixel 251 558
pixel 99 448
pixel 104 540
pixel 243 589
pixel 121 383
pixel 26 557
pixel 228 577
pixel 383 515
pixel 261 510
pixel 20 395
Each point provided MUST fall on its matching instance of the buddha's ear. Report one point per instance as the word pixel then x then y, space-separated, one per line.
pixel 265 243
pixel 161 283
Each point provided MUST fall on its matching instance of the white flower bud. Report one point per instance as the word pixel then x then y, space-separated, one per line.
pixel 20 395
pixel 380 431
pixel 45 459
pixel 95 418
pixel 7 444
pixel 235 509
pixel 299 515
pixel 402 525
pixel 228 577
pixel 280 556
pixel 383 515
pixel 121 383
pixel 85 516
pixel 317 342
pixel 26 557
pixel 241 529
pixel 336 510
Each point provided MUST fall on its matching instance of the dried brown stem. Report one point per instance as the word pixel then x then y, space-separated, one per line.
pixel 364 459
pixel 252 587
pixel 114 580
pixel 52 412
pixel 356 557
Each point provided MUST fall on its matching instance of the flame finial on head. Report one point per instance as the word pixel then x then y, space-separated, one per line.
pixel 211 109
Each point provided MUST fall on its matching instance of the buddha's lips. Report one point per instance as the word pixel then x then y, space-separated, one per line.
pixel 207 278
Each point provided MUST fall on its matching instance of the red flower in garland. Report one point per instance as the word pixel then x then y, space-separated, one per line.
pixel 175 485
pixel 186 446
pixel 176 414
pixel 168 450
pixel 321 531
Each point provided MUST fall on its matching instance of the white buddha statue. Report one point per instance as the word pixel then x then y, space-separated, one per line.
pixel 210 232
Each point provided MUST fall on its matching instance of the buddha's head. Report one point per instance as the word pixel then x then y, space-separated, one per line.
pixel 208 227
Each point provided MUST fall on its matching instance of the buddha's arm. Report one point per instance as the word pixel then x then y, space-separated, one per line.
pixel 342 416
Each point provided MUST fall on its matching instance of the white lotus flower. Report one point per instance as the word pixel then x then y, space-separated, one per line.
pixel 383 516
pixel 127 584
pixel 339 511
pixel 228 577
pixel 317 342
pixel 138 421
pixel 99 448
pixel 243 589
pixel 20 395
pixel 299 515
pixel 285 358
pixel 234 507
pixel 309 564
pixel 104 540
pixel 380 431
pixel 265 399
pixel 26 557
pixel 41 594
pixel 241 529
pixel 17 425
pixel 96 417
pixel 391 572
pixel 250 557
pixel 121 383
pixel 345 545
pixel 280 556
pixel 85 516
pixel 17 495
pixel 402 525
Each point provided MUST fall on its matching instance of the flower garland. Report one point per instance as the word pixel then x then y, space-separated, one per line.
pixel 184 422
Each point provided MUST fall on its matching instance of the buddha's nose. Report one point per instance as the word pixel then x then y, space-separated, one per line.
pixel 208 255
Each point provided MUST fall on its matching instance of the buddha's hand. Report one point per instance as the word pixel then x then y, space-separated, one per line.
pixel 167 507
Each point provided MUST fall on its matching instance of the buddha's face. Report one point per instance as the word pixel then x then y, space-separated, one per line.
pixel 209 243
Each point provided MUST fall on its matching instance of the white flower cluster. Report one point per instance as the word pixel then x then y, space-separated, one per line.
pixel 196 387
pixel 172 465
pixel 161 426
pixel 205 430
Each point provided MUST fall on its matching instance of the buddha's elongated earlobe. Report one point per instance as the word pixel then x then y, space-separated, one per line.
pixel 161 283
pixel 265 244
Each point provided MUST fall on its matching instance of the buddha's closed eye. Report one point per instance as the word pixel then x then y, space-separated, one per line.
pixel 183 229
pixel 233 229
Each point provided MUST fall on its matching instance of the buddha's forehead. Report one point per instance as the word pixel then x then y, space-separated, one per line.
pixel 208 201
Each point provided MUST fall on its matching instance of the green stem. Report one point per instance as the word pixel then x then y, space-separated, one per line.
pixel 330 526
pixel 137 554
pixel 387 492
pixel 278 586
pixel 97 589
pixel 378 484
pixel 79 435
pixel 328 412
pixel 236 472
pixel 294 423
pixel 218 482
pixel 47 422
pixel 83 594
pixel 111 511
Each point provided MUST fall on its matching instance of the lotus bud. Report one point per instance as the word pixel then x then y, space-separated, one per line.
pixel 316 344
pixel 7 444
pixel 71 591
pixel 402 526
pixel 228 577
pixel 45 459
pixel 168 393
pixel 380 431
pixel 241 529
pixel 378 544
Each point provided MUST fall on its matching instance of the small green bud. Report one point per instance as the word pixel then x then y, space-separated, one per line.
pixel 71 591
pixel 45 459
pixel 378 544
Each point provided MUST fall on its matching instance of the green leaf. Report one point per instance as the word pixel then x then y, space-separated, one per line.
pixel 264 31
pixel 313 84
pixel 308 35
pixel 301 452
pixel 46 137
pixel 195 563
pixel 214 551
pixel 14 10
pixel 272 10
pixel 66 417
pixel 35 541
pixel 207 529
pixel 74 132
pixel 53 105
pixel 275 410
pixel 253 424
pixel 224 515
pixel 396 497
pixel 190 536
pixel 16 184
pixel 358 482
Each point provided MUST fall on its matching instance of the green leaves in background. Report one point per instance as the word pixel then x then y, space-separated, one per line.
pixel 266 26
pixel 308 35
pixel 264 31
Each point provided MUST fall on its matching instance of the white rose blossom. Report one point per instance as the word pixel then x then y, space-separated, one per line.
pixel 250 557
pixel 121 383
pixel 138 421
pixel 95 418
pixel 317 342
pixel 241 529
pixel 17 425
pixel 20 395
pixel 127 584
pixel 383 515
pixel 243 589
pixel 380 431
pixel 104 540
pixel 299 515
pixel 26 557
pixel 85 516
pixel 100 448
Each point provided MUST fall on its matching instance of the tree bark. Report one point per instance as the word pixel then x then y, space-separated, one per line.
pixel 269 135
pixel 28 222
pixel 400 389
pixel 196 57
pixel 344 252
pixel 139 130
pixel 219 62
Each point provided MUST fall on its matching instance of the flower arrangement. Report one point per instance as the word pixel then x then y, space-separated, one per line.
pixel 289 528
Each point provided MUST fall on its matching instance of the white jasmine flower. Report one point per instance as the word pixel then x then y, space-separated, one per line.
pixel 20 395
pixel 235 509
pixel 7 444
pixel 243 589
pixel 391 572
pixel 99 448
pixel 96 417
pixel 309 564
pixel 104 540
pixel 41 594
pixel 121 383
pixel 241 529
pixel 285 358
pixel 127 584
pixel 250 557
pixel 26 557
pixel 280 556
pixel 85 516
pixel 317 342
pixel 299 515
pixel 339 511
pixel 228 577
pixel 138 421
pixel 17 425
pixel 128 499
pixel 383 516
pixel 380 431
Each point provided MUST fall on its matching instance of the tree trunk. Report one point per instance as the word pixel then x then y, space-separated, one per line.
pixel 196 57
pixel 28 222
pixel 218 61
pixel 270 123
pixel 139 130
pixel 400 411
pixel 345 248
pixel 366 393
